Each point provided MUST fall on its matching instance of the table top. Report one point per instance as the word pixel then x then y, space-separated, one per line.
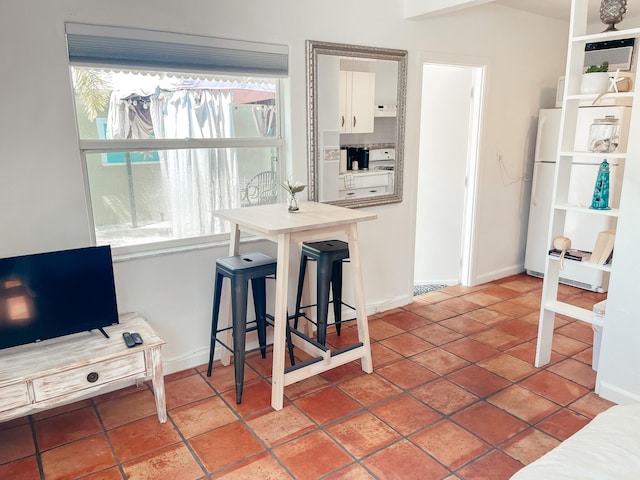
pixel 276 219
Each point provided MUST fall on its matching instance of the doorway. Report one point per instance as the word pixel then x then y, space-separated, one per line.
pixel 448 157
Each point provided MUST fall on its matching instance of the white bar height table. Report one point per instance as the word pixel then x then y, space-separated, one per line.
pixel 313 222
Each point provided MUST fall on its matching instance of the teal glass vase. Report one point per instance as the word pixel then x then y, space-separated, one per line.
pixel 600 199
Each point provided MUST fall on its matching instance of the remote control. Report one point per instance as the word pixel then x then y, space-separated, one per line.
pixel 136 338
pixel 128 339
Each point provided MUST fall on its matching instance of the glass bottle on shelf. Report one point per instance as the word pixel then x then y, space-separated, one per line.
pixel 604 134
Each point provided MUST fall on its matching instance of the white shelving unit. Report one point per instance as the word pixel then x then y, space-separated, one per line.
pixel 579 36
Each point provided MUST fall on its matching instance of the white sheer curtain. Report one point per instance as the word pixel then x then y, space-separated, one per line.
pixel 129 117
pixel 264 118
pixel 196 182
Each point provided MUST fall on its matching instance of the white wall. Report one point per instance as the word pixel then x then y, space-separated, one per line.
pixel 41 180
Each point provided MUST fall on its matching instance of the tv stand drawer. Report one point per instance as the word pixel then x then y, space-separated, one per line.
pixel 89 376
pixel 14 396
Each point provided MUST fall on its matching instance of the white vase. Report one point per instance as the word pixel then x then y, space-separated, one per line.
pixel 595 82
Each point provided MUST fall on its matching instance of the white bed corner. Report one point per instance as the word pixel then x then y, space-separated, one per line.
pixel 608 448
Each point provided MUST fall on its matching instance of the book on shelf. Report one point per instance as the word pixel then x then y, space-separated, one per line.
pixel 603 249
pixel 572 254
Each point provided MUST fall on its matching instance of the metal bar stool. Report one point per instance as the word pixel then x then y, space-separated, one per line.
pixel 240 269
pixel 329 255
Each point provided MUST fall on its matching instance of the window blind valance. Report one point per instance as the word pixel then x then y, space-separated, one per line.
pixel 96 45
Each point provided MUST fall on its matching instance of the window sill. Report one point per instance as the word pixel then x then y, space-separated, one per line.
pixel 134 252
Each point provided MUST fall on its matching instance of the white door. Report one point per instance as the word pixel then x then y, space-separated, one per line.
pixel 446 177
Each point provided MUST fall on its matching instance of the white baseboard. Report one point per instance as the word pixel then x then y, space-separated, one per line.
pixel 193 359
pixel 498 274
pixel 615 394
pixel 390 304
pixel 448 281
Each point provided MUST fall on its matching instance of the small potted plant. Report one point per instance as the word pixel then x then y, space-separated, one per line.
pixel 292 189
pixel 595 79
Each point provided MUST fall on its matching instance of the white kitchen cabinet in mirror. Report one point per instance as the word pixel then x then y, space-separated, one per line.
pixel 356 112
pixel 356 100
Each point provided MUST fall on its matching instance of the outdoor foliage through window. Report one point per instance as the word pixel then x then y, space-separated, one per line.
pixel 165 151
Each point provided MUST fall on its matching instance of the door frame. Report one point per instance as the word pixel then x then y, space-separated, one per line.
pixel 469 233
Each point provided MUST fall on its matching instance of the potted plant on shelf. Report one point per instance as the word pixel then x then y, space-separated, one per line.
pixel 595 79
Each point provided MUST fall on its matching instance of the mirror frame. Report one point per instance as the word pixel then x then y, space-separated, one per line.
pixel 315 48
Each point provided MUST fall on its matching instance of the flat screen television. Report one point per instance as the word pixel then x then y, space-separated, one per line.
pixel 51 294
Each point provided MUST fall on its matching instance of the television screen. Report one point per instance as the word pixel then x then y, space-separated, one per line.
pixel 51 294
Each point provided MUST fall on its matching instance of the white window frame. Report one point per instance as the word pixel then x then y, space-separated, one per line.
pixel 88 147
pixel 106 146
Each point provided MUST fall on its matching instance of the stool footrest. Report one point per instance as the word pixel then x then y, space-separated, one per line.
pixel 304 315
pixel 250 329
pixel 251 350
pixel 253 328
pixel 335 353
pixel 306 363
pixel 309 340
pixel 302 307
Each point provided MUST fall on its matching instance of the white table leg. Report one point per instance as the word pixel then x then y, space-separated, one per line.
pixel 545 338
pixel 361 306
pixel 546 323
pixel 279 328
pixel 234 243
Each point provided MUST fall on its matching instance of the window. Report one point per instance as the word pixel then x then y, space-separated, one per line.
pixel 172 128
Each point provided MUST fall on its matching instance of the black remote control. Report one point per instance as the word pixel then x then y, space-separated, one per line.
pixel 136 338
pixel 128 339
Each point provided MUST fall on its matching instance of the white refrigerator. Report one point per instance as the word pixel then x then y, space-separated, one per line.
pixel 581 229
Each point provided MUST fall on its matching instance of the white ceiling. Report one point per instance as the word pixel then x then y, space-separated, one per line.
pixel 560 9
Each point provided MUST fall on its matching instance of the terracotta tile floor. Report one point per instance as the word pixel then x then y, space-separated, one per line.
pixel 454 395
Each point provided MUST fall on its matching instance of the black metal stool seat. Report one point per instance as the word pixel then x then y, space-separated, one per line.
pixel 241 269
pixel 329 255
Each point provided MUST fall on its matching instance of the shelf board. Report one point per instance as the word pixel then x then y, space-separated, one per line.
pixel 570 310
pixel 603 36
pixel 572 207
pixel 621 155
pixel 591 97
pixel 594 266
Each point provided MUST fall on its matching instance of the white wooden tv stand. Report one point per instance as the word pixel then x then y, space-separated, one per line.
pixel 53 372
